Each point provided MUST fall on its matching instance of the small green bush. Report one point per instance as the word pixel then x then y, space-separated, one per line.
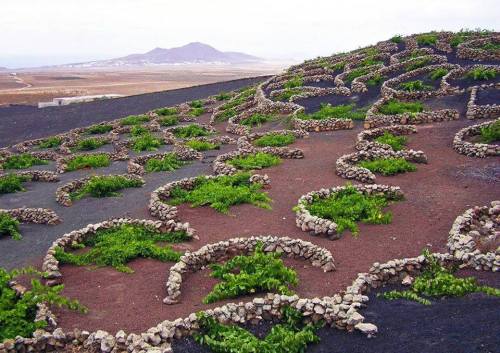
pixel 413 86
pixel 51 142
pixel 287 94
pixel 396 142
pixel 257 119
pixel 376 80
pixel 134 120
pixel 18 313
pixel 361 71
pixel 9 226
pixel 427 39
pixel 296 81
pixel 493 47
pixel 417 64
pixel 166 164
pixel 240 99
pixel 258 160
pixel 196 104
pixel 99 129
pixel 88 161
pixel 435 282
pixel 388 166
pixel 343 111
pixel 89 144
pixel 223 96
pixel 22 161
pixel 249 274
pixel 490 133
pixel 196 111
pixel 166 111
pixel 370 61
pixel 394 107
pixel 221 193
pixel 146 142
pixel 11 183
pixel 190 131
pixel 138 130
pixel 349 206
pixel 202 145
pixel 105 186
pixel 225 115
pixel 118 246
pixel 438 73
pixel 169 121
pixel 275 140
pixel 397 39
pixel 481 74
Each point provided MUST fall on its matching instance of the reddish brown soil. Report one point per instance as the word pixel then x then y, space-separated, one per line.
pixel 435 194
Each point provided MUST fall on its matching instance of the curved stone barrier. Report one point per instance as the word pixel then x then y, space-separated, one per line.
pixel 221 251
pixel 36 175
pixel 136 165
pixel 365 140
pixel 470 49
pixel 169 133
pixel 487 111
pixel 33 215
pixel 120 154
pixel 470 149
pixel 477 226
pixel 316 225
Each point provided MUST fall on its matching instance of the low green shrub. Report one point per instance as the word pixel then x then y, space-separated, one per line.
pixel 169 121
pixel 240 99
pixel 138 130
pixel 166 164
pixel 11 183
pixel 22 161
pixel 196 111
pixel 435 282
pixel 290 336
pixel 397 39
pixel 105 186
pixel 89 144
pixel 223 96
pixel 493 47
pixel 51 142
pixel 481 74
pixel 134 120
pixel 249 274
pixel 196 104
pixel 490 133
pixel 388 166
pixel 257 160
pixel 18 313
pixel 275 140
pixel 361 71
pixel 296 81
pixel 396 142
pixel 376 80
pixel 190 131
pixel 88 161
pixel 370 61
pixel 287 94
pixel 394 107
pixel 166 111
pixel 438 73
pixel 343 111
pixel 417 64
pixel 9 226
pixel 257 119
pixel 221 193
pixel 202 145
pixel 118 246
pixel 427 39
pixel 413 86
pixel 336 67
pixel 225 115
pixel 349 206
pixel 146 142
pixel 98 129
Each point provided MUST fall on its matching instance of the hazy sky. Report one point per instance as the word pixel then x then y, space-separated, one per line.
pixel 36 32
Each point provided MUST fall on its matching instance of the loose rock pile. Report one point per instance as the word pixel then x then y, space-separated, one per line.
pixel 470 149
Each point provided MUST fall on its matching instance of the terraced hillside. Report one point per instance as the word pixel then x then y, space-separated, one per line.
pixel 351 196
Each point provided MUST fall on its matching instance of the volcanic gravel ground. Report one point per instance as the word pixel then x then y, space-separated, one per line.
pixel 488 96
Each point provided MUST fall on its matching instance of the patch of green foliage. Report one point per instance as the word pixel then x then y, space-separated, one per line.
pixel 494 47
pixel 99 129
pixel 18 313
pixel 88 161
pixel 89 144
pixel 370 61
pixel 118 246
pixel 257 160
pixel 397 39
pixel 290 336
pixel 105 186
pixel 275 140
pixel 438 73
pixel 190 131
pixel 414 86
pixel 223 96
pixel 51 142
pixel 388 166
pixel 394 107
pixel 343 111
pixel 490 133
pixel 169 121
pixel 427 39
pixel 198 103
pixel 240 99
pixel 22 161
pixel 196 111
pixel 336 67
pixel 436 282
pixel 166 111
pixel 257 119
pixel 396 142
pixel 11 183
pixel 294 82
pixel 134 120
pixel 417 63
pixel 226 115
pixel 146 142
pixel 202 145
pixel 376 80
pixel 138 130
pixel 222 192
pixel 166 164
pixel 361 71
pixel 9 226
pixel 481 74
pixel 288 93
pixel 349 206
pixel 249 274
